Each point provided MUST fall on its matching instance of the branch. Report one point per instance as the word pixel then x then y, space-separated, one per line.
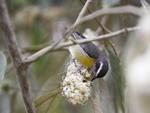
pixel 80 19
pixel 35 48
pixel 104 29
pixel 111 11
pixel 42 52
pixel 47 49
pixel 83 11
pixel 81 14
pixel 20 67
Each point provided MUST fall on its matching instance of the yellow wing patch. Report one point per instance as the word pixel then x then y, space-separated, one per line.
pixel 86 61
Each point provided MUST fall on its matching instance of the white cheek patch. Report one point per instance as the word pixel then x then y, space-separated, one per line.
pixel 100 68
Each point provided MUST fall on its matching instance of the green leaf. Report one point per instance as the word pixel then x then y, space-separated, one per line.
pixel 49 95
pixel 47 102
pixel 3 65
pixel 116 80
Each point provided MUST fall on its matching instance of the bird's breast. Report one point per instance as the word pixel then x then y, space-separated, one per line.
pixel 78 53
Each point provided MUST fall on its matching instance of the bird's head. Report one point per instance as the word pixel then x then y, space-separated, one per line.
pixel 100 68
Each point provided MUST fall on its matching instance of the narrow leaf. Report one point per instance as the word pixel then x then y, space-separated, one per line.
pixel 116 80
pixel 47 103
pixel 3 65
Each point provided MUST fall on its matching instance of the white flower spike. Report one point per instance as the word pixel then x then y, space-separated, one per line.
pixel 74 87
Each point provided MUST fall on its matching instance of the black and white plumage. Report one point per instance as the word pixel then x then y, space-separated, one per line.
pixel 90 56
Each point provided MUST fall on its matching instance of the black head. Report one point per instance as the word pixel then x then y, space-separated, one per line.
pixel 100 68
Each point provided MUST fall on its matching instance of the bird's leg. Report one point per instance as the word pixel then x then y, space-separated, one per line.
pixel 91 71
pixel 74 61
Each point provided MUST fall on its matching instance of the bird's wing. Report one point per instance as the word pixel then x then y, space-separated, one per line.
pixel 90 48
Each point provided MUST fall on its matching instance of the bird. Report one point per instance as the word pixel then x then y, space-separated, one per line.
pixel 90 56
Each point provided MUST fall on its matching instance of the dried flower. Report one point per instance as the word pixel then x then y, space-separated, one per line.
pixel 74 87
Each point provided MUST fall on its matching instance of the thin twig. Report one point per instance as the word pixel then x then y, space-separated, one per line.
pixel 47 49
pixel 104 29
pixel 81 14
pixel 83 11
pixel 80 19
pixel 117 10
pixel 111 11
pixel 21 68
pixel 38 54
pixel 35 48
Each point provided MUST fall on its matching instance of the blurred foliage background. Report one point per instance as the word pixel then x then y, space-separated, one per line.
pixel 36 24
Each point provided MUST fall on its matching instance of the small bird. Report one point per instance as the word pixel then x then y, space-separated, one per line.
pixel 90 56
